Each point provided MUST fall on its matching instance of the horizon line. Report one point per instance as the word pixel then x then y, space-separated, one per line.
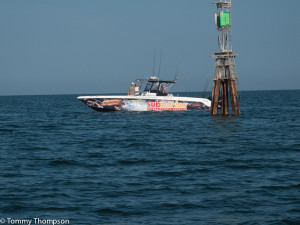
pixel 14 95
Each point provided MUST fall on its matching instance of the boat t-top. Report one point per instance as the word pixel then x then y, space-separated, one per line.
pixel 155 97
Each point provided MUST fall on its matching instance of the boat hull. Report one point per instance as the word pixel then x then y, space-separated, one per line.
pixel 142 103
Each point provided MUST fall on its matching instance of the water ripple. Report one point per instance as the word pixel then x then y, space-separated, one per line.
pixel 59 159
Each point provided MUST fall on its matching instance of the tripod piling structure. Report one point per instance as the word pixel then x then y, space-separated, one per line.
pixel 225 78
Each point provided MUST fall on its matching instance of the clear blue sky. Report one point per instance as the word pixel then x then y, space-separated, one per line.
pixel 101 46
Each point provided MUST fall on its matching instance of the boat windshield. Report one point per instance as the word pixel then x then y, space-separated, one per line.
pixel 152 87
pixel 155 86
pixel 160 87
pixel 148 87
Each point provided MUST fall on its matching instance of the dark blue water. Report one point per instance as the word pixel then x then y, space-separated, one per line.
pixel 61 160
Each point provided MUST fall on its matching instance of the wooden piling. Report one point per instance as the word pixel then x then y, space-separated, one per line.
pixel 234 98
pixel 224 93
pixel 215 98
pixel 224 85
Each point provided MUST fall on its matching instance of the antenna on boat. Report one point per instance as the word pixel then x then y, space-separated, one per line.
pixel 153 63
pixel 159 62
pixel 205 88
pixel 177 70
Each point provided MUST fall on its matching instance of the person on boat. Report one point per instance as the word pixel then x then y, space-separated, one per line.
pixel 164 89
pixel 137 90
pixel 131 90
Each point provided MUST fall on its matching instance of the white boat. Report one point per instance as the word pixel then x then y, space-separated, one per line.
pixel 155 97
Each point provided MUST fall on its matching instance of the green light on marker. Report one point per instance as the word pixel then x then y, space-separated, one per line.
pixel 225 19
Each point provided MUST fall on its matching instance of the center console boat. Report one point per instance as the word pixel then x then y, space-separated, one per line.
pixel 155 97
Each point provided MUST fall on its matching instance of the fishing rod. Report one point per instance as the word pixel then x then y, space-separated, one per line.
pixel 159 63
pixel 205 88
pixel 153 63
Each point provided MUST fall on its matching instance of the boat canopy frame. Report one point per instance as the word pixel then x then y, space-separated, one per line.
pixel 155 85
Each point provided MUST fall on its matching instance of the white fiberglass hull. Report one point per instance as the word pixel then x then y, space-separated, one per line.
pixel 144 103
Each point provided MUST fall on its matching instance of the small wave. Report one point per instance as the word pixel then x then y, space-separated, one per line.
pixel 53 208
pixel 13 208
pixel 244 167
pixel 62 162
pixel 133 161
pixel 109 211
pixel 10 175
pixel 7 130
pixel 279 187
pixel 112 211
pixel 96 155
pixel 297 210
pixel 168 173
pixel 288 221
pixel 180 205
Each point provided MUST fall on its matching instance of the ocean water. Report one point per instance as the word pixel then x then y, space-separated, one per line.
pixel 59 160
